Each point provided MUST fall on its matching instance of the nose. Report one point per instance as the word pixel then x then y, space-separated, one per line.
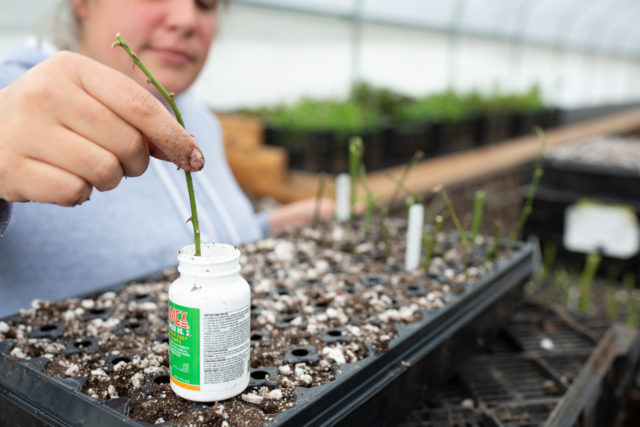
pixel 182 16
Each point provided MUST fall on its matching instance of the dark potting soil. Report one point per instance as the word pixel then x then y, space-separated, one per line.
pixel 321 298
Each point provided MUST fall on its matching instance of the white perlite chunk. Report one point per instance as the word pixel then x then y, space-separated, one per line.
pixel 112 392
pixel 285 370
pixel 99 373
pixel 252 398
pixel 159 420
pixel 284 250
pixel 18 353
pixel 547 344
pixel 275 394
pixel 4 328
pixel 305 379
pixel 136 380
pixel 467 403
pixel 160 348
pixel 335 354
pixel 111 323
pixel 72 370
pixel 148 306
pixel 87 304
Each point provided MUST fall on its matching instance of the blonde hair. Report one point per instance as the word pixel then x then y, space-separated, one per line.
pixel 60 26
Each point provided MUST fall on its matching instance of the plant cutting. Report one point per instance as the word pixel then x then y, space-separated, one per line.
pixel 120 41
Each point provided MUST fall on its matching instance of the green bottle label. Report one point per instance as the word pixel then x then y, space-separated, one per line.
pixel 184 346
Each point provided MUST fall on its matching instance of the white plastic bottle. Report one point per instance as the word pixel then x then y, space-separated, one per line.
pixel 209 322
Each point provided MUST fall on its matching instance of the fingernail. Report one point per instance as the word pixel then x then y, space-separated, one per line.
pixel 196 160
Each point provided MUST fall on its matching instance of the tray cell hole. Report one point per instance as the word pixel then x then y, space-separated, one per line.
pixel 259 375
pixel 335 333
pixel 300 352
pixel 132 323
pixel 161 379
pixel 82 344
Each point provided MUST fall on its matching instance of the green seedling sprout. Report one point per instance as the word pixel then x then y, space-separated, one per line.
pixel 439 189
pixel 537 174
pixel 560 282
pixel 586 280
pixel 612 307
pixel 400 183
pixel 464 243
pixel 319 194
pixel 370 204
pixel 356 149
pixel 430 240
pixel 385 210
pixel 478 206
pixel 492 251
pixel 548 259
pixel 416 197
pixel 358 173
pixel 169 97
pixel 631 311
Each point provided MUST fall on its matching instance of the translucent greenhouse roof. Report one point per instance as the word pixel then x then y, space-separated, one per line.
pixel 607 27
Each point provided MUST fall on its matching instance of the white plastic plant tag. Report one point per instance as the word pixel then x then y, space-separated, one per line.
pixel 415 228
pixel 343 195
pixel 592 226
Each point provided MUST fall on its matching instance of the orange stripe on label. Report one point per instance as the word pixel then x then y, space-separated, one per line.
pixel 183 385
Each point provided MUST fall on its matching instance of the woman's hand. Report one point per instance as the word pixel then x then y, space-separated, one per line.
pixel 70 124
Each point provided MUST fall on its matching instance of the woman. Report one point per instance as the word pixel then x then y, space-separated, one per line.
pixel 74 121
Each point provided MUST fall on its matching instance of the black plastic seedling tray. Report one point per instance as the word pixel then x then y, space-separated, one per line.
pixel 377 390
pixel 610 183
pixel 547 222
pixel 580 380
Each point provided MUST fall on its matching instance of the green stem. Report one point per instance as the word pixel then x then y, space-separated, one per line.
pixel 537 174
pixel 402 186
pixel 431 243
pixel 370 200
pixel 463 234
pixel 586 280
pixel 169 97
pixel 439 189
pixel 405 173
pixel 492 252
pixel 316 211
pixel 478 206
pixel 355 159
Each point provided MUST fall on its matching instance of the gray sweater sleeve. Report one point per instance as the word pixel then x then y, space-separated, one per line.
pixel 5 215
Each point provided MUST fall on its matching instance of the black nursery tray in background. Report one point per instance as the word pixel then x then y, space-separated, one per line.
pixel 377 389
pixel 546 367
pixel 601 172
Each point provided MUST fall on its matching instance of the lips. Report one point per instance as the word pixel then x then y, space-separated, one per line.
pixel 174 56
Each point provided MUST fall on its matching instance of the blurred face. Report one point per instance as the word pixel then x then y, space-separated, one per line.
pixel 171 37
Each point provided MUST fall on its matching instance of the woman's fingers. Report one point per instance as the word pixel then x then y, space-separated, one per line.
pixel 71 123
pixel 75 154
pixel 137 106
pixel 101 126
pixel 34 180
